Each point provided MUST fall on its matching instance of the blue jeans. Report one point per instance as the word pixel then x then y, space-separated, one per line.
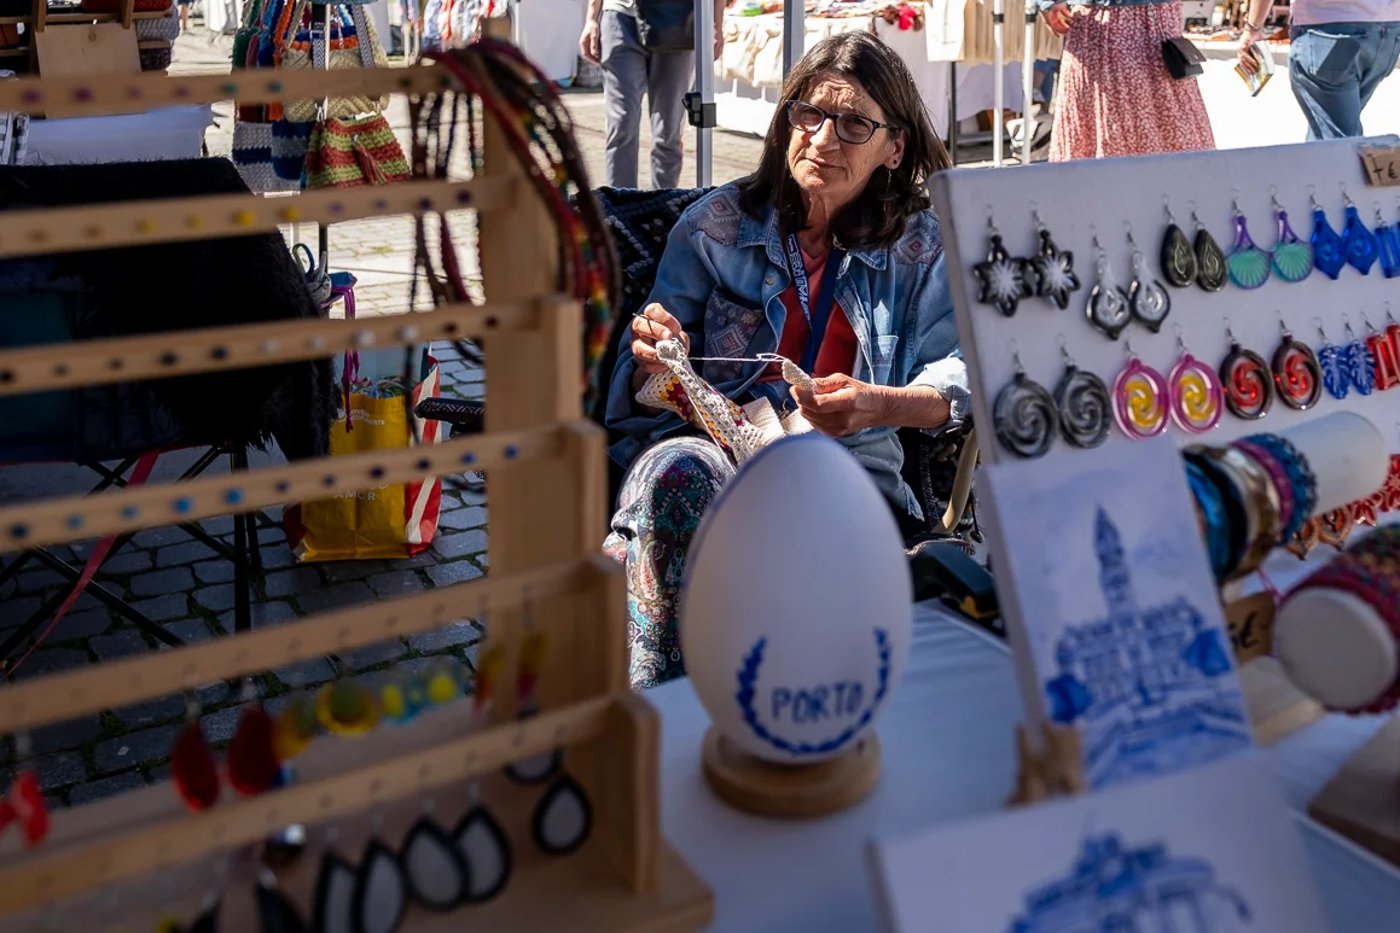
pixel 1335 68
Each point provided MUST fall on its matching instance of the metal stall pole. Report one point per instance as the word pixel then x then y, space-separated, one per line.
pixel 323 230
pixel 794 34
pixel 998 79
pixel 953 112
pixel 700 103
pixel 1028 120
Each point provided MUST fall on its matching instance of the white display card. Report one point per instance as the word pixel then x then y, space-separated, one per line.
pixel 1213 850
pixel 1109 198
pixel 1111 610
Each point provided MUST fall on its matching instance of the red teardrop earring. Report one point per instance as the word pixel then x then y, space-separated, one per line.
pixel 24 801
pixel 253 766
pixel 192 765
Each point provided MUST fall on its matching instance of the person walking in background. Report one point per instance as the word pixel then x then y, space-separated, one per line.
pixel 1339 53
pixel 1116 96
pixel 645 47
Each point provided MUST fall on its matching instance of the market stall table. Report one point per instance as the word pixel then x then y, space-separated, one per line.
pixel 947 740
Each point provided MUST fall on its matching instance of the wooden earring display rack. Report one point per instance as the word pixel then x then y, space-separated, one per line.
pixel 142 851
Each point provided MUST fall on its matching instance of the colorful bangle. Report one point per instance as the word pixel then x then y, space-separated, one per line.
pixel 1304 483
pixel 1210 513
pixel 1261 507
pixel 1278 477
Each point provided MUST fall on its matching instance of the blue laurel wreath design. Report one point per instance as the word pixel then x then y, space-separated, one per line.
pixel 748 677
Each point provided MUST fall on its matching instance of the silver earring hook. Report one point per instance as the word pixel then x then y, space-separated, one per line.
pixel 1312 197
pixel 1064 350
pixel 1167 206
pixel 1195 218
pixel 1230 332
pixel 1180 340
pixel 1273 198
pixel 1346 198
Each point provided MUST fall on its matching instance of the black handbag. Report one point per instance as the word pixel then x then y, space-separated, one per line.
pixel 666 25
pixel 1182 57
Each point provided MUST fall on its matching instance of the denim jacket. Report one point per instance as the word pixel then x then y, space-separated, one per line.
pixel 722 276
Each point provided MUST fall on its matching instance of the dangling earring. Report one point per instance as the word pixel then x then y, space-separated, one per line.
pixel 1023 416
pixel 1359 244
pixel 1081 401
pixel 1002 277
pixel 1210 261
pixel 1246 381
pixel 1178 259
pixel 1358 361
pixel 1247 264
pixel 192 764
pixel 1293 259
pixel 1297 373
pixel 24 802
pixel 1108 307
pixel 1329 254
pixel 532 654
pixel 1140 399
pixel 1329 357
pixel 1388 243
pixel 1194 391
pixel 1385 352
pixel 1148 301
pixel 1053 268
pixel 252 761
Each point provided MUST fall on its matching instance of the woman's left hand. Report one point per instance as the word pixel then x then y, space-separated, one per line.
pixel 842 405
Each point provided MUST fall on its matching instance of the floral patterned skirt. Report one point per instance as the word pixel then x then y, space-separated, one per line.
pixel 1116 96
pixel 663 498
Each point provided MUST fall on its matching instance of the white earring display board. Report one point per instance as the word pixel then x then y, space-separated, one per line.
pixel 1077 201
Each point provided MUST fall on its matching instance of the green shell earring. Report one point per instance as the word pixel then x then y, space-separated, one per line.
pixel 1293 256
pixel 1247 264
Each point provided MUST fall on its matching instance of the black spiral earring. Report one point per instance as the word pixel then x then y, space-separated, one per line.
pixel 1023 415
pixel 1082 403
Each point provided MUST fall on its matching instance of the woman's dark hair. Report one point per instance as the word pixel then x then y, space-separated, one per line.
pixel 876 218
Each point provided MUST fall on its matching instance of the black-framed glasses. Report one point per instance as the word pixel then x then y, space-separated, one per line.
pixel 850 127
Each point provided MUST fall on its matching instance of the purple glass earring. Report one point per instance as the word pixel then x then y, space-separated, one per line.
pixel 1196 399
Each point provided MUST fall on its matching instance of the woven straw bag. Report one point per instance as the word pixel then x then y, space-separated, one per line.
pixel 346 153
pixel 343 49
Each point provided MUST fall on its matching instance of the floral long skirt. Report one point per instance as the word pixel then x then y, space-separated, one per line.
pixel 1116 96
pixel 663 498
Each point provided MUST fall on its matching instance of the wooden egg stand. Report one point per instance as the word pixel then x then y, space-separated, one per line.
pixel 142 850
pixel 801 791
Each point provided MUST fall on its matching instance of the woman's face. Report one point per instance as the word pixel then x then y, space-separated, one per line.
pixel 829 168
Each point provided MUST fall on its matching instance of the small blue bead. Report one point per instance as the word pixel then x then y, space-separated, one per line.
pixel 129 511
pixel 469 458
pixel 19 531
pixel 75 521
pixel 233 496
pixel 183 505
pixel 511 451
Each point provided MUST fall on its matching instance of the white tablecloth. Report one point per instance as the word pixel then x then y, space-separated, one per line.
pixel 947 753
pixel 166 133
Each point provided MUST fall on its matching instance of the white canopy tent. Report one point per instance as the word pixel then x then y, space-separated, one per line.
pixel 702 102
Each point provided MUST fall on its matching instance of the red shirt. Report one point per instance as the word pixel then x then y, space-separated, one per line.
pixel 838 350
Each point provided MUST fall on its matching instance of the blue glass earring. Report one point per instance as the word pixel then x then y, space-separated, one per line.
pixel 1247 264
pixel 1358 362
pixel 1293 259
pixel 1359 244
pixel 1388 240
pixel 1327 247
pixel 1335 378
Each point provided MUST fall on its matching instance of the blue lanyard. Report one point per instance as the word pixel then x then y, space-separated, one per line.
pixel 817 315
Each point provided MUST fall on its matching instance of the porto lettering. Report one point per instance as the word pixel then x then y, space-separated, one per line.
pixel 800 705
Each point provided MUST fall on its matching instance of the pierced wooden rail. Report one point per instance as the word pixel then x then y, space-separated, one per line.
pixel 179 353
pixel 74 518
pixel 28 704
pixel 59 869
pixel 46 230
pixel 119 94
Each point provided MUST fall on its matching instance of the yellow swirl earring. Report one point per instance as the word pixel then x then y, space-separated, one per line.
pixel 1194 388
pixel 1140 399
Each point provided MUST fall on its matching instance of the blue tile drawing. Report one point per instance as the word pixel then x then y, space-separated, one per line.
pixel 1151 688
pixel 1116 888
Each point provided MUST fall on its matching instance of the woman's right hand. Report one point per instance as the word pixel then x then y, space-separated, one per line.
pixel 1058 18
pixel 649 328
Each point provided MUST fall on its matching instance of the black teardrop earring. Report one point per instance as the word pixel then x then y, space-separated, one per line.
pixel 1178 259
pixel 437 874
pixel 1211 273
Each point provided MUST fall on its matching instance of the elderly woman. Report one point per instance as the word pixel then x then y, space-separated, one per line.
pixel 827 254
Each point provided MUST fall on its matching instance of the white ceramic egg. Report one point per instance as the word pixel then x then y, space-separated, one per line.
pixel 797 606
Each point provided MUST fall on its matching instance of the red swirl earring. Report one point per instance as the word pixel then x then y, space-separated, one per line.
pixel 1297 373
pixel 1247 382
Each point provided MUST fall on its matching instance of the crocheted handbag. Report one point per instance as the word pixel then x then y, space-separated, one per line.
pixel 252 155
pixel 353 43
pixel 165 29
pixel 156 59
pixel 346 153
pixel 289 144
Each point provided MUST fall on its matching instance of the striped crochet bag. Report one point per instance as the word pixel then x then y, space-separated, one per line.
pixel 347 152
